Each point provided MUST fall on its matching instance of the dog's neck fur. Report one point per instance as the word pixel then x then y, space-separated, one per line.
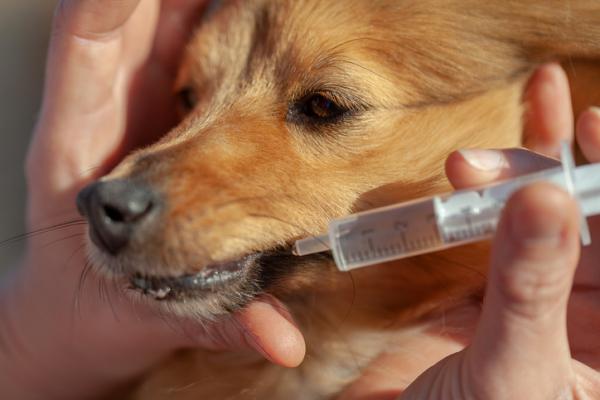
pixel 346 328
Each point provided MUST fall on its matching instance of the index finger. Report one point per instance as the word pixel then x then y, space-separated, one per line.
pixel 83 59
pixel 93 19
pixel 83 95
pixel 549 116
pixel 476 167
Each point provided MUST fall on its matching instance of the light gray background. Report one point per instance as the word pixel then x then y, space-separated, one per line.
pixel 24 32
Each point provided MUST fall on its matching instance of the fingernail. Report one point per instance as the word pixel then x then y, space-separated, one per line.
pixel 532 229
pixel 550 84
pixel 484 160
pixel 595 110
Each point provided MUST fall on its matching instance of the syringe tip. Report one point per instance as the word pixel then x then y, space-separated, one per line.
pixel 311 245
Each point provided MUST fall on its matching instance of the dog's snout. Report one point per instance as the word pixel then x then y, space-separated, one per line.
pixel 116 211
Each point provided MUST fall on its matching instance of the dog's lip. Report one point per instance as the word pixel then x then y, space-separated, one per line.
pixel 210 279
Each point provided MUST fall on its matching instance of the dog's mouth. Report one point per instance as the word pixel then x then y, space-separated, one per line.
pixel 213 278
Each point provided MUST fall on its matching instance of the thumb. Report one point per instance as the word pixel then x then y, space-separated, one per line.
pixel 264 326
pixel 524 315
pixel 270 330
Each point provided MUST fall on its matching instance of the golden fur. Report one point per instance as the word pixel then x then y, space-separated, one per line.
pixel 244 172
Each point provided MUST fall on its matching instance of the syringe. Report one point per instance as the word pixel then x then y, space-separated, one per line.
pixel 439 222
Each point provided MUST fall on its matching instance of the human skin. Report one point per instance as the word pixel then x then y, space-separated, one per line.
pixel 63 341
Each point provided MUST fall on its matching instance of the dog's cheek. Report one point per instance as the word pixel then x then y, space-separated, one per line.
pixel 283 272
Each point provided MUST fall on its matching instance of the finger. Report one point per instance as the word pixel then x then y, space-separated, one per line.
pixel 85 54
pixel 588 134
pixel 270 330
pixel 155 74
pixel 93 19
pixel 83 115
pixel 588 138
pixel 178 17
pixel 549 117
pixel 475 167
pixel 264 326
pixel 524 314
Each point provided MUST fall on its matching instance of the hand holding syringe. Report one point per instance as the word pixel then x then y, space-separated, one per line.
pixel 439 222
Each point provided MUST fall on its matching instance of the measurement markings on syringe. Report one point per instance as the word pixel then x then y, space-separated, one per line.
pixel 471 222
pixel 393 238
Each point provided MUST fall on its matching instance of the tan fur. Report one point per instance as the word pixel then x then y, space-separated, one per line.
pixel 426 78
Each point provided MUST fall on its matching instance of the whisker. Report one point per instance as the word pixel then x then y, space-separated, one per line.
pixel 81 234
pixel 85 273
pixel 77 250
pixel 64 212
pixel 100 288
pixel 64 225
pixel 108 298
pixel 163 315
pixel 106 284
pixel 78 290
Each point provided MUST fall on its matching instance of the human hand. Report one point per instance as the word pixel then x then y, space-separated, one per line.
pixel 67 333
pixel 536 335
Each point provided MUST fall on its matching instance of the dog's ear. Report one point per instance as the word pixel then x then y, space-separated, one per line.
pixel 550 29
pixel 446 51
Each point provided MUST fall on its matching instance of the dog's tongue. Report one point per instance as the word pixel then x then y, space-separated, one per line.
pixel 270 330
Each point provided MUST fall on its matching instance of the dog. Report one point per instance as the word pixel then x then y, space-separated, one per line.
pixel 297 112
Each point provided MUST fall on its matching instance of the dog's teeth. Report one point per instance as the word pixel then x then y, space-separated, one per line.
pixel 159 294
pixel 212 279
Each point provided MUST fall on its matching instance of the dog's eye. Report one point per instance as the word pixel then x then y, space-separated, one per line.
pixel 321 108
pixel 325 109
pixel 186 100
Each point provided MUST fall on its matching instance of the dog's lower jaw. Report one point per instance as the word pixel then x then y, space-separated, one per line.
pixel 331 364
pixel 217 290
pixel 335 360
pixel 347 324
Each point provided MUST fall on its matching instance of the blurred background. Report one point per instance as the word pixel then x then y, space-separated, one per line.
pixel 24 33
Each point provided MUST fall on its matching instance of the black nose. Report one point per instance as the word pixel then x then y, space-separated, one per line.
pixel 116 210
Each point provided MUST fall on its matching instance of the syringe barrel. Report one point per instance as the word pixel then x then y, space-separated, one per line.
pixel 439 222
pixel 473 214
pixel 423 226
pixel 384 234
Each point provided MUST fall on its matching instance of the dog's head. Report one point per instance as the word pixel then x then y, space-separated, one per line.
pixel 293 113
